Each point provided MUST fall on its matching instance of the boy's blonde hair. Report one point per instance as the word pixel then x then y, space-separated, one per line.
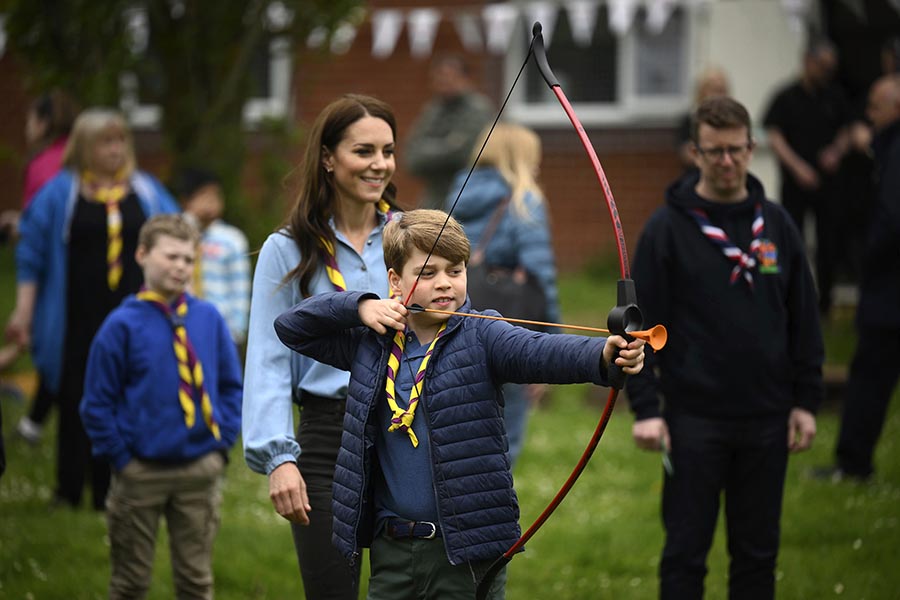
pixel 85 132
pixel 172 225
pixel 419 229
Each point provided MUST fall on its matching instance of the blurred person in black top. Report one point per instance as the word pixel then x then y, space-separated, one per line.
pixel 738 384
pixel 806 124
pixel 876 363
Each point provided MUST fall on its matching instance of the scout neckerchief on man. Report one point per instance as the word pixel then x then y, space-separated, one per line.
pixel 743 262
pixel 331 265
pixel 190 371
pixel 111 196
pixel 403 418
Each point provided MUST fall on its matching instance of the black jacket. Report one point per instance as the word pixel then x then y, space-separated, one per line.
pixel 732 352
pixel 879 302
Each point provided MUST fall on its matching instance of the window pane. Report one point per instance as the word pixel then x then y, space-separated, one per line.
pixel 660 56
pixel 587 74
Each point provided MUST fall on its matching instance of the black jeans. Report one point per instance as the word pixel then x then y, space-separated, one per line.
pixel 327 575
pixel 75 462
pixel 745 458
pixel 873 376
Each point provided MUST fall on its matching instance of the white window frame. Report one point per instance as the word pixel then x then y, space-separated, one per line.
pixel 630 109
pixel 273 106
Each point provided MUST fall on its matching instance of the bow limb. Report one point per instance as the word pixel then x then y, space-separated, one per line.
pixel 625 317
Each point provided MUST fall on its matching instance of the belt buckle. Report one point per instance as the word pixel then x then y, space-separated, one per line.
pixel 433 533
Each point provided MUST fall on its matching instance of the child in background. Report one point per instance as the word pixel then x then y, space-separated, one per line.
pixel 162 404
pixel 222 273
pixel 423 477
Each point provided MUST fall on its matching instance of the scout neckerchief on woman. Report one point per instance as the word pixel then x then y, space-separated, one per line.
pixel 403 418
pixel 190 371
pixel 111 196
pixel 331 265
pixel 743 262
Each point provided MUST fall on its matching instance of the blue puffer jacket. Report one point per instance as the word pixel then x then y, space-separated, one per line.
pixel 461 401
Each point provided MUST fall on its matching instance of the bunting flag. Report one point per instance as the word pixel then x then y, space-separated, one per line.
pixel 658 13
pixel 468 28
pixel 422 24
pixel 500 20
pixel 386 27
pixel 582 17
pixel 621 15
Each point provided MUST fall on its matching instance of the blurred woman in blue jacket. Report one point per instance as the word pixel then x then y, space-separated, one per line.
pixel 74 264
pixel 507 171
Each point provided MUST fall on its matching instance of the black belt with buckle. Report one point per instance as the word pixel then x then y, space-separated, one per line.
pixel 399 529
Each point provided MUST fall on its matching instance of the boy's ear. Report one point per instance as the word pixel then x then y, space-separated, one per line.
pixel 139 255
pixel 394 282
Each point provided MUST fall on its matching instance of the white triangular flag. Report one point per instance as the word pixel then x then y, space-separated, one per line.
pixel 342 38
pixel 500 19
pixel 582 17
pixel 422 26
pixel 386 27
pixel 658 13
pixel 468 28
pixel 545 14
pixel 621 14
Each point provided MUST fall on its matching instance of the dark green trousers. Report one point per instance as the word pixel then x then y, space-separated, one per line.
pixel 417 569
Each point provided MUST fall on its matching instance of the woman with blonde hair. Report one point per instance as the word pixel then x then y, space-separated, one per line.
pixel 504 213
pixel 74 264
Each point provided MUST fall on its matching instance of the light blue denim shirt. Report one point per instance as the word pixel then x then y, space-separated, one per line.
pixel 274 374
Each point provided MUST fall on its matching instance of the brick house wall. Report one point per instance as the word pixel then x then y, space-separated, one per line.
pixel 639 162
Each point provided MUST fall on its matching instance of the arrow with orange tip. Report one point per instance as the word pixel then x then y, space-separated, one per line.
pixel 656 336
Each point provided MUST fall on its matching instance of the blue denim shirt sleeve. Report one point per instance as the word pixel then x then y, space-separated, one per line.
pixel 274 374
pixel 268 411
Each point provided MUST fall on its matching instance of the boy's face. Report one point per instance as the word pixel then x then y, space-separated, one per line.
pixel 168 265
pixel 441 286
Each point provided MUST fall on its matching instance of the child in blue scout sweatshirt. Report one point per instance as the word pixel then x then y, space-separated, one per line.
pixel 423 477
pixel 162 403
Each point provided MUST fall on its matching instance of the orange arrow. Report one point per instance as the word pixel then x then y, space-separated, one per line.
pixel 656 336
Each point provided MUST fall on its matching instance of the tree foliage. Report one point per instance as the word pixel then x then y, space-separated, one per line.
pixel 197 64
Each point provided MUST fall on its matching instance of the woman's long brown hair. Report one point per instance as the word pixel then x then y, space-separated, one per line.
pixel 307 223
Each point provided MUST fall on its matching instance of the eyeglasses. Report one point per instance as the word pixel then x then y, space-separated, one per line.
pixel 719 152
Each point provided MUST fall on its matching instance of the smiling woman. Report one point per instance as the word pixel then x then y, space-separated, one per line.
pixel 330 241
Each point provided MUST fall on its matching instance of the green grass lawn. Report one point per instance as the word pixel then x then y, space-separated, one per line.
pixel 838 540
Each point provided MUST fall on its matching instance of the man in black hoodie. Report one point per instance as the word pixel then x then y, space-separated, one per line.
pixel 740 379
pixel 876 363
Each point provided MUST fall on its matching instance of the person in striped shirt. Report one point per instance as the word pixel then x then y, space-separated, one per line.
pixel 222 275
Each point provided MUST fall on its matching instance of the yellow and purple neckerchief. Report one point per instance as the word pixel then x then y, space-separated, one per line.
pixel 190 370
pixel 331 265
pixel 743 262
pixel 402 419
pixel 111 196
